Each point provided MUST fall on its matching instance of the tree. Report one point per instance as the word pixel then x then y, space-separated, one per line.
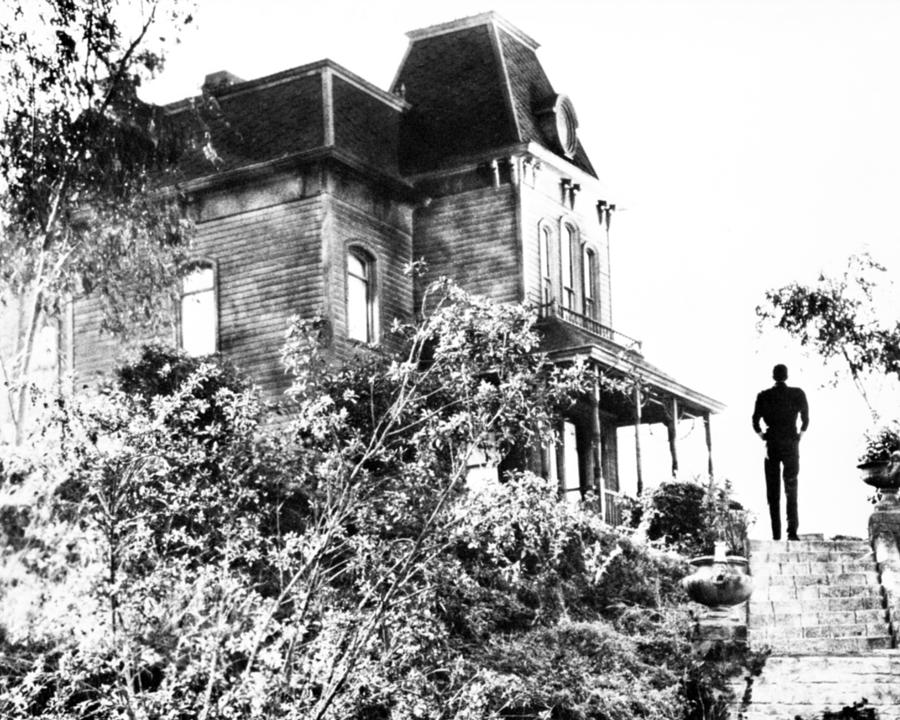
pixel 79 156
pixel 333 565
pixel 840 318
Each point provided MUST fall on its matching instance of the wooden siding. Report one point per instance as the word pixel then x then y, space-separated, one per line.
pixel 390 245
pixel 542 204
pixel 472 237
pixel 268 269
pixel 95 353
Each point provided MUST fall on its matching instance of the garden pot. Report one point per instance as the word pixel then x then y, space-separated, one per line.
pixel 885 476
pixel 719 581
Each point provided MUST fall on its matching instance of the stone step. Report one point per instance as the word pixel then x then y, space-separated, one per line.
pixel 810 619
pixel 805 544
pixel 767 558
pixel 776 632
pixel 808 592
pixel 821 646
pixel 799 580
pixel 808 685
pixel 810 712
pixel 792 569
pixel 808 605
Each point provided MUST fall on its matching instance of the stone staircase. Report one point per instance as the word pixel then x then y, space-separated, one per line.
pixel 818 605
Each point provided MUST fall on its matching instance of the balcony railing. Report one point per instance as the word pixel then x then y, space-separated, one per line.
pixel 583 322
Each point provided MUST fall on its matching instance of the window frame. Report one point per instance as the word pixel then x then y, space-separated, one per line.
pixel 569 247
pixel 545 248
pixel 195 265
pixel 369 260
pixel 590 271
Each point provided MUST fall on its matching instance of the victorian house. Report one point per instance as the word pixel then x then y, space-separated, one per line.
pixel 317 188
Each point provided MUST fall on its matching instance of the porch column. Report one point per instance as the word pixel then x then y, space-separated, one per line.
pixel 672 427
pixel 706 427
pixel 597 477
pixel 637 437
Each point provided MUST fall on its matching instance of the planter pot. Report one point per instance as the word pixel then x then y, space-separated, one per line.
pixel 879 474
pixel 884 475
pixel 719 582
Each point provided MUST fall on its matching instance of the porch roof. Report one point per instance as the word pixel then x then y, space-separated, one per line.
pixel 621 362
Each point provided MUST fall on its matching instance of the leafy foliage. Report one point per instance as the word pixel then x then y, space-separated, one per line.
pixel 178 562
pixel 80 161
pixel 881 442
pixel 836 318
pixel 691 517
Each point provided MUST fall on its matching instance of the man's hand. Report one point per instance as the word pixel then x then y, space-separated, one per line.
pixel 800 436
pixel 762 435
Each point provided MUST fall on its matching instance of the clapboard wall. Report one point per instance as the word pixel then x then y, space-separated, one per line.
pixel 472 237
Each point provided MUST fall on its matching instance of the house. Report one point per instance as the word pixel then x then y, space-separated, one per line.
pixel 317 189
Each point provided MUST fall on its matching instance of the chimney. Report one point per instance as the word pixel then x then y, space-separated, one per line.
pixel 219 81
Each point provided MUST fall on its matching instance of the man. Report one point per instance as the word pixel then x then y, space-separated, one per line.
pixel 779 407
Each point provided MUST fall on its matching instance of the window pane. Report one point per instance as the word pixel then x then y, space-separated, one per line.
pixel 356 266
pixel 567 260
pixel 358 311
pixel 588 274
pixel 199 279
pixel 198 323
pixel 571 479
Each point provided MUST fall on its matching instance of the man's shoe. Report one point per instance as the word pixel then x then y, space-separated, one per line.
pixel 793 537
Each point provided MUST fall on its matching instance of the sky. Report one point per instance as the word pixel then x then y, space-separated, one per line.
pixel 748 144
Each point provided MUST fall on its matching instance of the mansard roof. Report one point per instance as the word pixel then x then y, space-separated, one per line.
pixel 465 89
pixel 474 85
pixel 302 111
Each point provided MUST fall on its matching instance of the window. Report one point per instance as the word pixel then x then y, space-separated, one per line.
pixel 568 248
pixel 589 282
pixel 361 314
pixel 198 312
pixel 546 265
pixel 571 476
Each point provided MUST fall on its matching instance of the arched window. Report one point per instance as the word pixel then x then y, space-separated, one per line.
pixel 198 311
pixel 361 315
pixel 568 253
pixel 546 265
pixel 589 282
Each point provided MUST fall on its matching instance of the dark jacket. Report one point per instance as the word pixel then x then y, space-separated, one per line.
pixel 779 407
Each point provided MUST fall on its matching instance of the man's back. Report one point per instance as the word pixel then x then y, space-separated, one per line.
pixel 778 407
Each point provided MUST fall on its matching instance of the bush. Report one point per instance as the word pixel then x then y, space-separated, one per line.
pixel 691 517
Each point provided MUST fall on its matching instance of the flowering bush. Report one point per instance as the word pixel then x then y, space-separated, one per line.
pixel 881 442
pixel 182 557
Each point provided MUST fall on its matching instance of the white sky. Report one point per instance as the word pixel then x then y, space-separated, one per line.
pixel 750 143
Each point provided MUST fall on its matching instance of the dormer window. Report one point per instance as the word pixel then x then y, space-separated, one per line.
pixel 559 124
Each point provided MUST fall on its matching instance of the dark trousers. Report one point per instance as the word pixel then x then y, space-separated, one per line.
pixel 782 460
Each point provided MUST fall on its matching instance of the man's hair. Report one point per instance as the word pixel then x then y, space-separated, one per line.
pixel 779 373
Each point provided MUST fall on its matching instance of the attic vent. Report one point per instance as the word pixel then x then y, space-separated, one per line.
pixel 220 80
pixel 559 123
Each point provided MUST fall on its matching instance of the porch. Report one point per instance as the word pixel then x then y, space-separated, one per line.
pixel 628 392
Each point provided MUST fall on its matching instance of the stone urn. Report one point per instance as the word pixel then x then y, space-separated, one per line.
pixel 719 581
pixel 884 475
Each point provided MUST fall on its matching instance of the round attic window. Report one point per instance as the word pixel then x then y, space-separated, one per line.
pixel 566 125
pixel 559 123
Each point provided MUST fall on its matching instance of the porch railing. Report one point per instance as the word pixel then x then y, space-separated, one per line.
pixel 612 507
pixel 588 324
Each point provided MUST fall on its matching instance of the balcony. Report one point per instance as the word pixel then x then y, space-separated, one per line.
pixel 588 325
